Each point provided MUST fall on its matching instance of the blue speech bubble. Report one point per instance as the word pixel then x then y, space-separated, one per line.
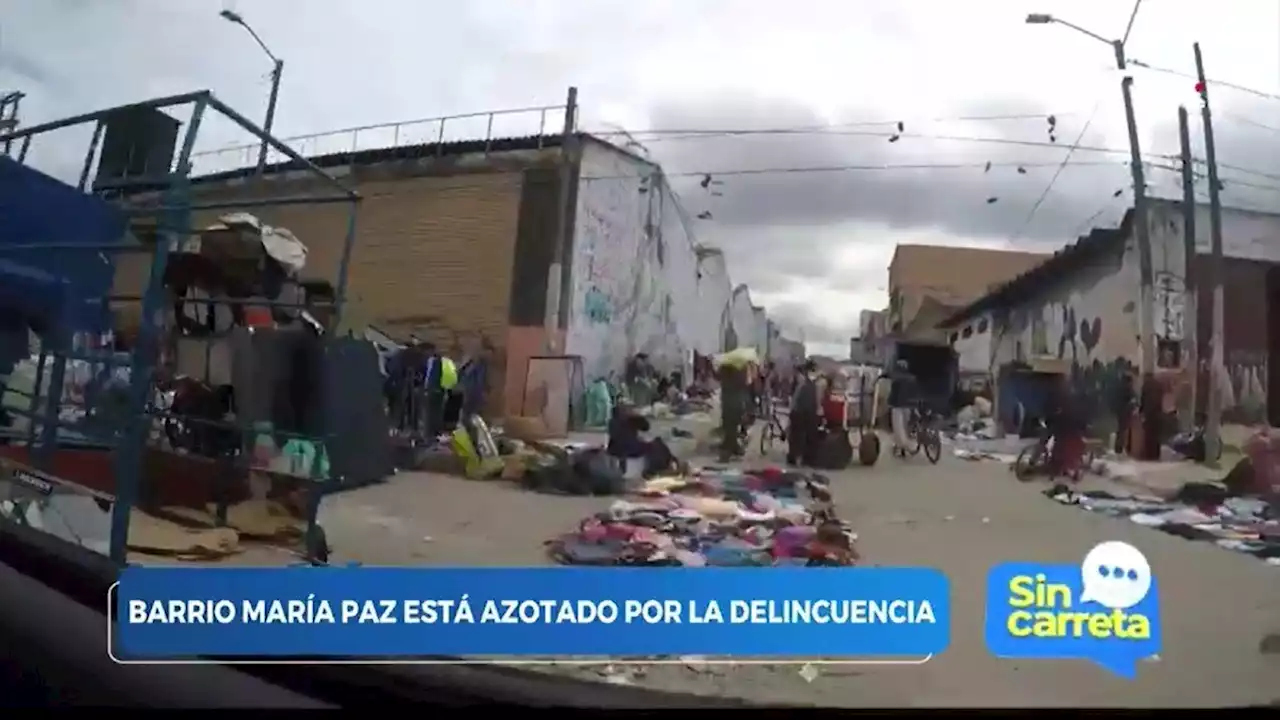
pixel 1034 611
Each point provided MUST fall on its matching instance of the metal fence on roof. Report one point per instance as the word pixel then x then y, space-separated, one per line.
pixel 436 131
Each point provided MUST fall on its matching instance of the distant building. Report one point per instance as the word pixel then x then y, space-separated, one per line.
pixel 927 283
pixel 872 345
pixel 1078 312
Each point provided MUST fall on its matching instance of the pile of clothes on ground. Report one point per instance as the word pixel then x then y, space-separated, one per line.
pixel 562 468
pixel 1198 511
pixel 718 518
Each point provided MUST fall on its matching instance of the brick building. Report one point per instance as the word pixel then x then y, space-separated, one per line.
pixel 449 240
pixel 457 239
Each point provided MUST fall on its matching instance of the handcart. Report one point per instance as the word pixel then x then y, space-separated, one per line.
pixel 60 244
pixel 849 423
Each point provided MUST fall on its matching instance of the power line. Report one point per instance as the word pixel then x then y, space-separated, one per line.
pixel 1132 16
pixel 1242 120
pixel 854 124
pixel 1082 227
pixel 1035 207
pixel 1074 147
pixel 1216 83
pixel 785 170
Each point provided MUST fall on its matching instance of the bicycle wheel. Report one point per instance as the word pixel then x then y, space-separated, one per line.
pixel 1029 462
pixel 766 439
pixel 932 445
pixel 913 441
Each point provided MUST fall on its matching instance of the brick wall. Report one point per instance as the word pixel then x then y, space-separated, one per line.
pixel 433 255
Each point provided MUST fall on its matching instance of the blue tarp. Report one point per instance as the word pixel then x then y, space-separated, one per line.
pixel 60 284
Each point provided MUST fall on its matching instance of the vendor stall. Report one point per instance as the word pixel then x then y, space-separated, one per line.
pixel 163 426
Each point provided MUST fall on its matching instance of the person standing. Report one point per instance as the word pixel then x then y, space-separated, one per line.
pixel 1122 398
pixel 734 397
pixel 1066 425
pixel 802 429
pixel 473 381
pixel 1151 407
pixel 904 394
pixel 438 375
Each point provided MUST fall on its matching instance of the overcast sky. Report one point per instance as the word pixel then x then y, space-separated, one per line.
pixel 813 246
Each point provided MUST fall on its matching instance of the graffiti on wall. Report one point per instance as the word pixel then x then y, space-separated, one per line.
pixel 1078 337
pixel 620 304
pixel 1170 305
pixel 598 307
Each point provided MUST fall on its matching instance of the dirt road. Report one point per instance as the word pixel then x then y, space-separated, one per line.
pixel 959 516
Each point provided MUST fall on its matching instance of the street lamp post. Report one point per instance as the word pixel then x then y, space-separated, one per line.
pixel 276 70
pixel 1142 233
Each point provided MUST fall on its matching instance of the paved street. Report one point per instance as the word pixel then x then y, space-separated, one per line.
pixel 962 517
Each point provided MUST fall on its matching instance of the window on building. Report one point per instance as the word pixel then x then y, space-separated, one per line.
pixel 954 337
pixel 968 332
pixel 983 326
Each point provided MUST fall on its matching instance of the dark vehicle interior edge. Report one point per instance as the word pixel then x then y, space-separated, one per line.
pixel 53 619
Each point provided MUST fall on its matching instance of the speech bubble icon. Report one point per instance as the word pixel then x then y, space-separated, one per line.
pixel 1116 575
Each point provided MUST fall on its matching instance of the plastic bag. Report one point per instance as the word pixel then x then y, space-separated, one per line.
pixel 306 458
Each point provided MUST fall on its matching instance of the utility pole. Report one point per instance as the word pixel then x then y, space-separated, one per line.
pixel 1213 429
pixel 9 116
pixel 1190 314
pixel 556 273
pixel 1141 230
pixel 276 70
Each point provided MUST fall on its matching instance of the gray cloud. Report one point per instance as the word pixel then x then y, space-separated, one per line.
pixel 793 316
pixel 950 200
pixel 777 227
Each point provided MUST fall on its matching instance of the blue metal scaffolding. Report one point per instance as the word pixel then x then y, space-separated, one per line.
pixel 57 250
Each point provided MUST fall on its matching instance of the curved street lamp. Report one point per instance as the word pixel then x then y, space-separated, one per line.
pixel 277 68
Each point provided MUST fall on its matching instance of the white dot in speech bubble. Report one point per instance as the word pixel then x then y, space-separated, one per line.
pixel 1115 575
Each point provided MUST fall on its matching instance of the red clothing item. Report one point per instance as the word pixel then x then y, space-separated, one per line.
pixel 258 316
pixel 1068 452
pixel 835 411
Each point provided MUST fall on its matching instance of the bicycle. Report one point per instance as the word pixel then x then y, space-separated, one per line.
pixel 772 428
pixel 922 432
pixel 1036 460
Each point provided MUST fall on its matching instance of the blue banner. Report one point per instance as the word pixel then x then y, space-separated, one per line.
pixel 1106 609
pixel 402 612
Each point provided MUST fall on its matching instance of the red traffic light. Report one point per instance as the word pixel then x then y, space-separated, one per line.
pixel 1200 88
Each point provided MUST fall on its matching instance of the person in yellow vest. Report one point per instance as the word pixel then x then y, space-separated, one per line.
pixel 440 376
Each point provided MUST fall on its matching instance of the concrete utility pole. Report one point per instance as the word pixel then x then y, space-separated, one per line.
pixel 1213 429
pixel 1190 314
pixel 1141 228
pixel 557 273
pixel 1142 231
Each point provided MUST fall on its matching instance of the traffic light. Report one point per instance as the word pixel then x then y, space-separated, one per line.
pixel 1200 88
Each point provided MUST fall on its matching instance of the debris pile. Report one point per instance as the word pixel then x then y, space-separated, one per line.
pixel 715 517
